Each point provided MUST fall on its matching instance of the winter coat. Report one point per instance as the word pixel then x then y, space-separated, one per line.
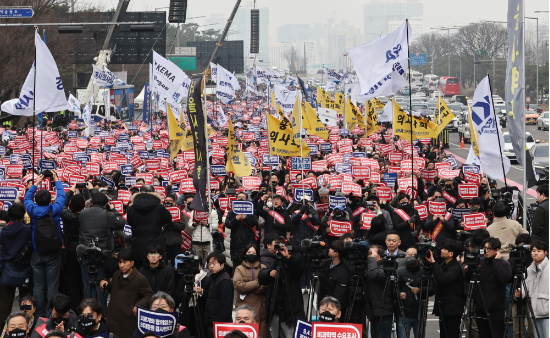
pixel 449 283
pixel 447 231
pixel 103 328
pixel 36 211
pixel 14 238
pixel 335 282
pixel 93 223
pixel 160 278
pixel 172 230
pixel 506 230
pixel 301 228
pixel 71 224
pixel 245 281
pixel 494 275
pixel 271 225
pixel 412 276
pixel 267 258
pixel 219 303
pixel 537 285
pixel 147 216
pixel 201 234
pixel 376 280
pixel 404 228
pixel 284 300
pixel 134 290
pixel 71 322
pixel 241 233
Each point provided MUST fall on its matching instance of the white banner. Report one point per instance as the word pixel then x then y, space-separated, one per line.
pixel 381 63
pixel 232 78
pixel 333 76
pixel 222 119
pixel 167 77
pixel 105 77
pixel 266 76
pixel 74 105
pixel 285 97
pixel 107 104
pixel 87 115
pixel 224 87
pixel 49 92
pixel 328 116
pixel 386 114
pixel 489 131
pixel 214 72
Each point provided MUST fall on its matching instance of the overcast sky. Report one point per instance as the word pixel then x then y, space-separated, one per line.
pixel 437 13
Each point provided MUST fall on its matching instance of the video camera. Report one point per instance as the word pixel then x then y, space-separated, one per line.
pixel 425 245
pixel 315 247
pixel 472 258
pixel 389 262
pixel 91 255
pixel 357 249
pixel 284 241
pixel 187 263
pixel 517 258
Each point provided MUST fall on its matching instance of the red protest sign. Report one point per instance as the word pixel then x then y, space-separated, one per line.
pixel 136 161
pixel 14 170
pixel 338 228
pixel 109 166
pixel 474 221
pixel 354 188
pixel 335 182
pixel 177 176
pixel 396 157
pixel 124 196
pixel 92 168
pixel 366 218
pixel 404 183
pixel 77 179
pixel 176 213
pixel 152 164
pixel 222 329
pixel 335 330
pixel 199 215
pixel 186 241
pixel 428 175
pixel 468 191
pixel 119 206
pixel 375 177
pixel 148 178
pixel 321 207
pixel 361 172
pixel 384 193
pixel 471 177
pixel 437 208
pixel 422 211
pixel 443 165
pixel 251 182
pixel 225 202
pixel 186 186
pixel 448 174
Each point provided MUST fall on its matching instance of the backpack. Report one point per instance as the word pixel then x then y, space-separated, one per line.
pixel 46 236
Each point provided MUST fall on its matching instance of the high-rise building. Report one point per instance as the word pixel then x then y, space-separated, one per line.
pixel 383 17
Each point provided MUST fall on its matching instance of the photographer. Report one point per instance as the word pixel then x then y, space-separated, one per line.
pixel 494 275
pixel 335 275
pixel 46 257
pixel 540 219
pixel 267 255
pixel 99 221
pixel 506 230
pixel 305 221
pixel 373 204
pixel 379 310
pixel 288 300
pixel 244 231
pixel 449 289
pixel 406 221
pixel 15 239
pixel 537 286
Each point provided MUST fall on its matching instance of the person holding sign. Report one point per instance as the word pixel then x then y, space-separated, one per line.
pixel 406 221
pixel 244 231
pixel 277 219
pixel 249 290
pixel 441 226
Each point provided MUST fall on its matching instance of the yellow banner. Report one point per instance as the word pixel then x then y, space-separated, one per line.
pixel 316 126
pixel 378 105
pixel 324 100
pixel 403 124
pixel 339 102
pixel 176 133
pixel 444 113
pixel 372 118
pixel 175 147
pixel 237 162
pixel 474 140
pixel 350 116
pixel 187 142
pixel 281 140
pixel 295 119
pixel 360 118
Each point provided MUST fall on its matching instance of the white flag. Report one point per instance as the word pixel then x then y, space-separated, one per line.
pixel 291 81
pixel 107 104
pixel 285 97
pixel 232 78
pixel 333 76
pixel 222 119
pixel 49 93
pixel 74 105
pixel 386 114
pixel 87 115
pixel 167 77
pixel 381 63
pixel 214 72
pixel 266 76
pixel 105 77
pixel 224 87
pixel 489 131
pixel 328 116
pixel 24 104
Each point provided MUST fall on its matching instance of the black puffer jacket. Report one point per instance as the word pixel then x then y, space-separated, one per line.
pixel 267 258
pixel 103 328
pixel 301 229
pixel 271 225
pixel 404 227
pixel 447 231
pixel 494 275
pixel 147 216
pixel 376 280
pixel 71 224
pixel 412 276
pixel 241 233
pixel 161 278
pixel 450 289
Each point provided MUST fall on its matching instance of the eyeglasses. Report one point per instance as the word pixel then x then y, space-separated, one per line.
pixel 487 249
pixel 153 254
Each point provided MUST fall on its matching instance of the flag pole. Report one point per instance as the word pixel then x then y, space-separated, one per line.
pixel 522 107
pixel 34 106
pixel 410 103
pixel 498 136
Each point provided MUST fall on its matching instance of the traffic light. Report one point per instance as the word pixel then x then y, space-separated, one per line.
pixel 254 31
pixel 178 11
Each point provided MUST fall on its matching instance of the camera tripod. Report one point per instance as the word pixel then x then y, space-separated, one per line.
pixel 357 281
pixel 519 280
pixel 281 275
pixel 92 288
pixel 391 286
pixel 313 283
pixel 189 295
pixel 427 282
pixel 474 284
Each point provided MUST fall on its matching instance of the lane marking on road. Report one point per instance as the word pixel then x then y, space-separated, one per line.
pixel 541 140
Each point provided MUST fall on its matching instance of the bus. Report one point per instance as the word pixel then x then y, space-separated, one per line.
pixel 416 77
pixel 449 85
pixel 432 81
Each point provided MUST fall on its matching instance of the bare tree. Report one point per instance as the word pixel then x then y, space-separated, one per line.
pixel 293 59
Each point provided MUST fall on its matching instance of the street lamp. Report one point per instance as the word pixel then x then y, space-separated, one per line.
pixel 448 29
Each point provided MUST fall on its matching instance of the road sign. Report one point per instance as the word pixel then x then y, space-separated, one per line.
pixel 417 59
pixel 321 66
pixel 16 12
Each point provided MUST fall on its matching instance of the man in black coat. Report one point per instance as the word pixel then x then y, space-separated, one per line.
pixel 277 219
pixel 159 275
pixel 405 220
pixel 244 231
pixel 449 301
pixel 267 255
pixel 494 275
pixel 288 298
pixel 335 275
pixel 147 216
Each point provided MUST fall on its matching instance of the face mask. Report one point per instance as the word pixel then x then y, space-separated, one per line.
pixel 269 204
pixel 251 258
pixel 448 188
pixel 412 262
pixel 59 320
pixel 86 322
pixel 242 322
pixel 474 209
pixel 483 185
pixel 156 183
pixel 327 317
pixel 167 204
pixel 18 333
pixel 161 310
pixel 273 183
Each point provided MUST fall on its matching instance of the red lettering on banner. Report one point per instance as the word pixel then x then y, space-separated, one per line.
pixel 280 219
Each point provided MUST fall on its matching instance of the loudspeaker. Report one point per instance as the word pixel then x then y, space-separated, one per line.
pixel 177 11
pixel 254 31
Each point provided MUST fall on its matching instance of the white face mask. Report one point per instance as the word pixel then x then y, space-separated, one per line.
pixel 156 183
pixel 269 204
